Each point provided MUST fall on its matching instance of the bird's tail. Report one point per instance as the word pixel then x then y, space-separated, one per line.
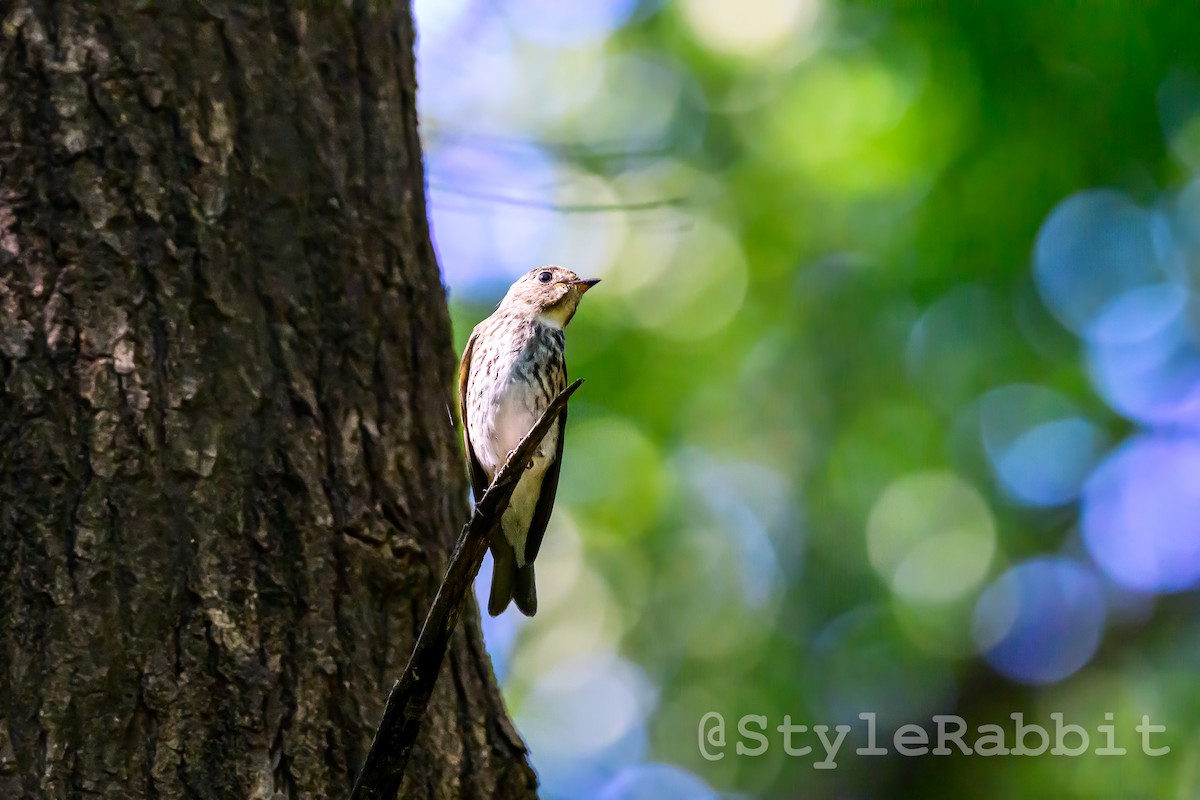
pixel 504 567
pixel 525 593
pixel 510 582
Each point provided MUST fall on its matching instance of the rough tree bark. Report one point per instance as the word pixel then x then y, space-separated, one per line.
pixel 229 479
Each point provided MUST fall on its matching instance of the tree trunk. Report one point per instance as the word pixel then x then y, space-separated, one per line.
pixel 229 478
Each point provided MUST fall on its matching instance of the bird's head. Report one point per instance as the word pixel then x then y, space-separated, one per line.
pixel 551 293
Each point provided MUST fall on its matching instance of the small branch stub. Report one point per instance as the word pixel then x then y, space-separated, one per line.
pixel 383 769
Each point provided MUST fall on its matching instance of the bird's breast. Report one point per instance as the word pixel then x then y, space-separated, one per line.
pixel 510 387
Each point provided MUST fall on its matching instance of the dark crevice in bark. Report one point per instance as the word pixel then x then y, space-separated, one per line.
pixel 146 720
pixel 123 578
pixel 83 466
pixel 77 777
pixel 160 377
pixel 465 723
pixel 365 95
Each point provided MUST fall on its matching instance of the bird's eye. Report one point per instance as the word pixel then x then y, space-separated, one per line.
pixel 545 276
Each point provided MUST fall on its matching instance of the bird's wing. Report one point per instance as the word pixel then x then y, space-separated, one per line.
pixel 479 481
pixel 545 503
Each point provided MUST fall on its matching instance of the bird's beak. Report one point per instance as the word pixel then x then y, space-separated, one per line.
pixel 586 283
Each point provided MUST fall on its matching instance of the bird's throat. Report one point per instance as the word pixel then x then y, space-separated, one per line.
pixel 557 316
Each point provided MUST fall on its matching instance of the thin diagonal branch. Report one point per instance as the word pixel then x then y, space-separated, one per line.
pixel 384 768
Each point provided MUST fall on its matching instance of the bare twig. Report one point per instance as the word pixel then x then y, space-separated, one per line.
pixel 384 768
pixel 670 201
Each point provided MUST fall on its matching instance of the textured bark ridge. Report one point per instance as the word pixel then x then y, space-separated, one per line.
pixel 228 474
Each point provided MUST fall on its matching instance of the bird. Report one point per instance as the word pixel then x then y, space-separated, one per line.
pixel 512 367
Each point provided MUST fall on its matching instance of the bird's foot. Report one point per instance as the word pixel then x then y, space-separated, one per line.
pixel 528 465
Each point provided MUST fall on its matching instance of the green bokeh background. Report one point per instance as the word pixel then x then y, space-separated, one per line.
pixel 758 377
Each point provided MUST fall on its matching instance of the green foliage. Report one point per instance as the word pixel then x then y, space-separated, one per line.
pixel 812 330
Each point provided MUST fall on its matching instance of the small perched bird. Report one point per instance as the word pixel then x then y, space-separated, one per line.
pixel 511 369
